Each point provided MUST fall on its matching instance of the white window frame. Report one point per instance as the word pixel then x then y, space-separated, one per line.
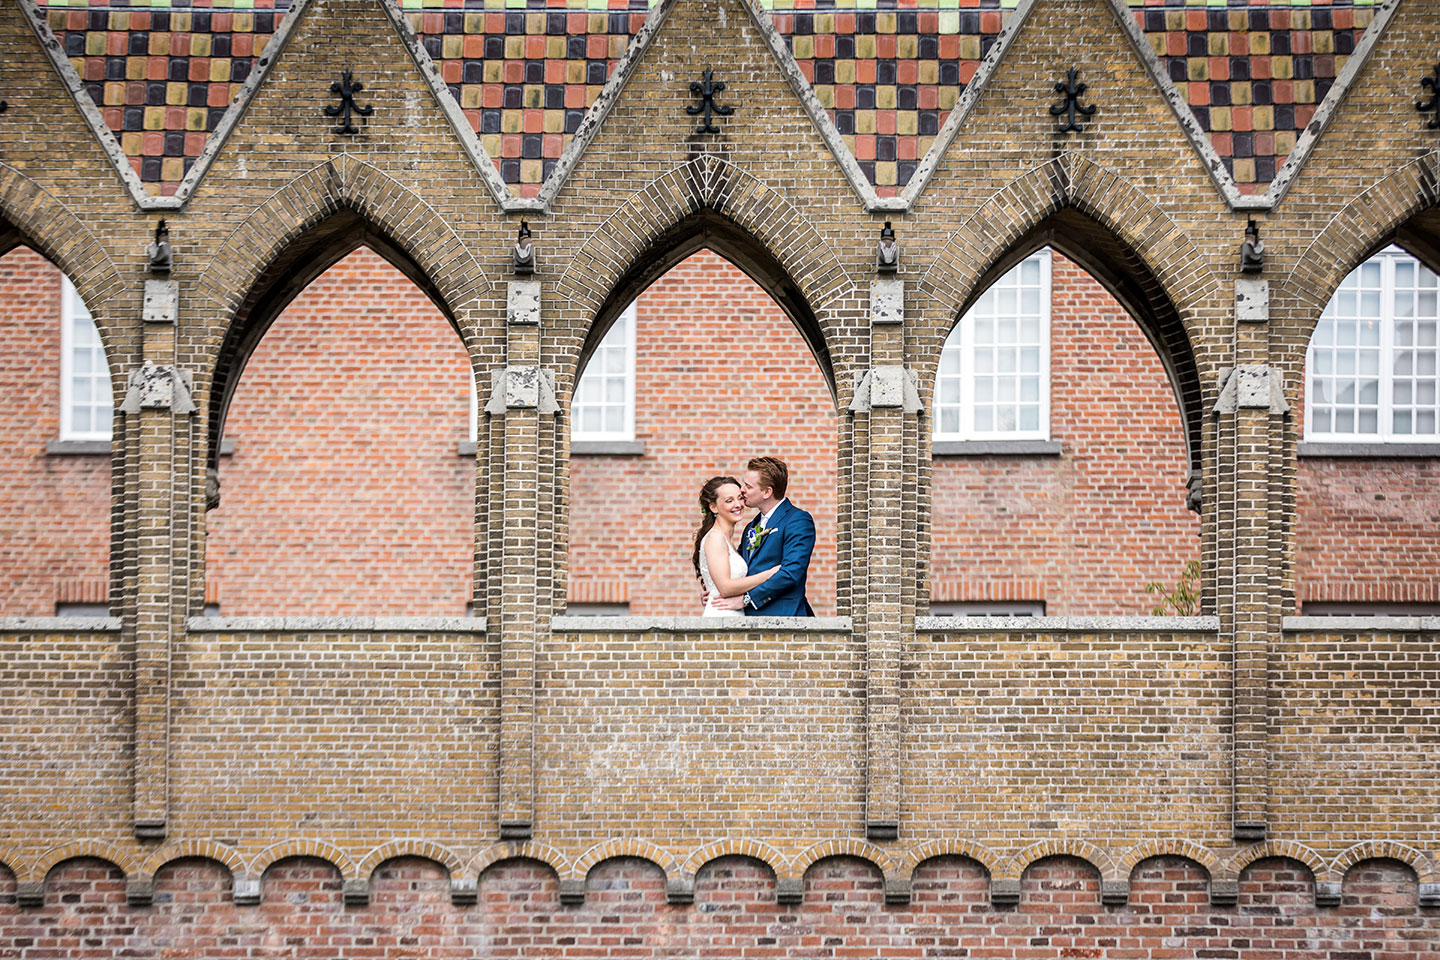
pixel 628 344
pixel 73 309
pixel 962 340
pixel 1385 416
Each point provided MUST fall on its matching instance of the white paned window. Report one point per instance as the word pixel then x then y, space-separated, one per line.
pixel 604 406
pixel 994 379
pixel 1373 367
pixel 85 401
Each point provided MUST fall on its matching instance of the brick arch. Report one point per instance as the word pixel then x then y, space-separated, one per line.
pixel 302 230
pixel 1276 849
pixel 624 847
pixel 1060 847
pixel 516 850
pixel 1352 857
pixel 116 856
pixel 224 855
pixel 950 847
pixel 31 216
pixel 710 202
pixel 1112 229
pixel 12 860
pixel 1402 207
pixel 840 847
pixel 1167 847
pixel 734 847
pixel 315 849
pixel 424 849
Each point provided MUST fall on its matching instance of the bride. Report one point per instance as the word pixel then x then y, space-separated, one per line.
pixel 721 568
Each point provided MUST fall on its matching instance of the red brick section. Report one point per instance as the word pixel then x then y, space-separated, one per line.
pixel 722 375
pixel 54 511
pixel 1086 530
pixel 843 914
pixel 347 494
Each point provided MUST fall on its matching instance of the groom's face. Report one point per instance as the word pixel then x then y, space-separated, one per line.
pixel 755 495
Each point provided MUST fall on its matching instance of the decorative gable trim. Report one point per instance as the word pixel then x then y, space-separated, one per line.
pixel 1200 140
pixel 106 137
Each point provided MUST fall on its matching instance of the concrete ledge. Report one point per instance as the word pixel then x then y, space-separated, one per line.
pixel 335 624
pixel 59 624
pixel 607 448
pixel 790 890
pixel 1327 893
pixel 77 448
pixel 1067 624
pixel 1370 450
pixel 1224 893
pixel 465 448
pixel 995 448
pixel 701 625
pixel 1361 624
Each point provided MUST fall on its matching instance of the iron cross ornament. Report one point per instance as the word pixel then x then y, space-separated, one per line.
pixel 1433 104
pixel 707 91
pixel 1073 92
pixel 346 91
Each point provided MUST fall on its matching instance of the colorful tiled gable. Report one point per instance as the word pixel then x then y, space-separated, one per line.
pixel 162 75
pixel 1255 73
pixel 524 75
pixel 889 77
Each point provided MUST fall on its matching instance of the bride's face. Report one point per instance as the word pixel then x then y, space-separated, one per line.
pixel 729 502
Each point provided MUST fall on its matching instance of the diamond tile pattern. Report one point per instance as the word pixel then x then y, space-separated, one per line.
pixel 525 77
pixel 889 78
pixel 525 71
pixel 162 76
pixel 1254 74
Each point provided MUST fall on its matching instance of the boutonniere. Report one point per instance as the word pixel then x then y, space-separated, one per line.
pixel 757 537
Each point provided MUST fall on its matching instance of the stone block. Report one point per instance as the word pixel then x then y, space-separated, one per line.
pixel 162 301
pixel 522 306
pixel 680 889
pixel 887 300
pixel 789 890
pixel 247 891
pixel 357 893
pixel 140 891
pixel 1224 893
pixel 1327 893
pixel 572 891
pixel 1004 893
pixel 1115 893
pixel 1252 300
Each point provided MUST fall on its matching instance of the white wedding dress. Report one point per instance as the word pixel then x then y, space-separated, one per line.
pixel 738 569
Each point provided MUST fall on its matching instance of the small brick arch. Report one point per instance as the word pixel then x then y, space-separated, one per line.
pixel 949 847
pixel 117 856
pixel 733 847
pixel 709 201
pixel 623 847
pixel 516 850
pixel 840 847
pixel 1351 857
pixel 1276 849
pixel 424 849
pixel 1167 847
pixel 1060 847
pixel 194 849
pixel 316 849
pixel 1364 225
pixel 12 860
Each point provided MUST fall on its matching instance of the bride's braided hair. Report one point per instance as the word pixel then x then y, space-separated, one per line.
pixel 708 493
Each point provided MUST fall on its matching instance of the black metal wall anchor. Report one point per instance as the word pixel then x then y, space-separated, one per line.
pixel 1073 92
pixel 346 91
pixel 1425 106
pixel 707 92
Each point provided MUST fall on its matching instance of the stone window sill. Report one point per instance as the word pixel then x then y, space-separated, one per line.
pixel 1369 450
pixel 995 448
pixel 101 448
pixel 581 448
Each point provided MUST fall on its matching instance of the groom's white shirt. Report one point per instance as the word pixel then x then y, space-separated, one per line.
pixel 765 517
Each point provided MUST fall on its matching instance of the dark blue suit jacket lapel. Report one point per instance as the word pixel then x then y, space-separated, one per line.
pixel 777 520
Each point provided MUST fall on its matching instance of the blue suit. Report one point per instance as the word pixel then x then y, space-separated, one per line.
pixel 789 542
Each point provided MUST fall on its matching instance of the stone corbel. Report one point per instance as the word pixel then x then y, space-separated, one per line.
pixel 1251 387
pixel 885 387
pixel 158 387
pixel 521 388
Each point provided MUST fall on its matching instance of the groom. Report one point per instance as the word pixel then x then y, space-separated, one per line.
pixel 782 535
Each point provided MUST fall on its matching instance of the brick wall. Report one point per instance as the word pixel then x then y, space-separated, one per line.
pixel 625 914
pixel 54 510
